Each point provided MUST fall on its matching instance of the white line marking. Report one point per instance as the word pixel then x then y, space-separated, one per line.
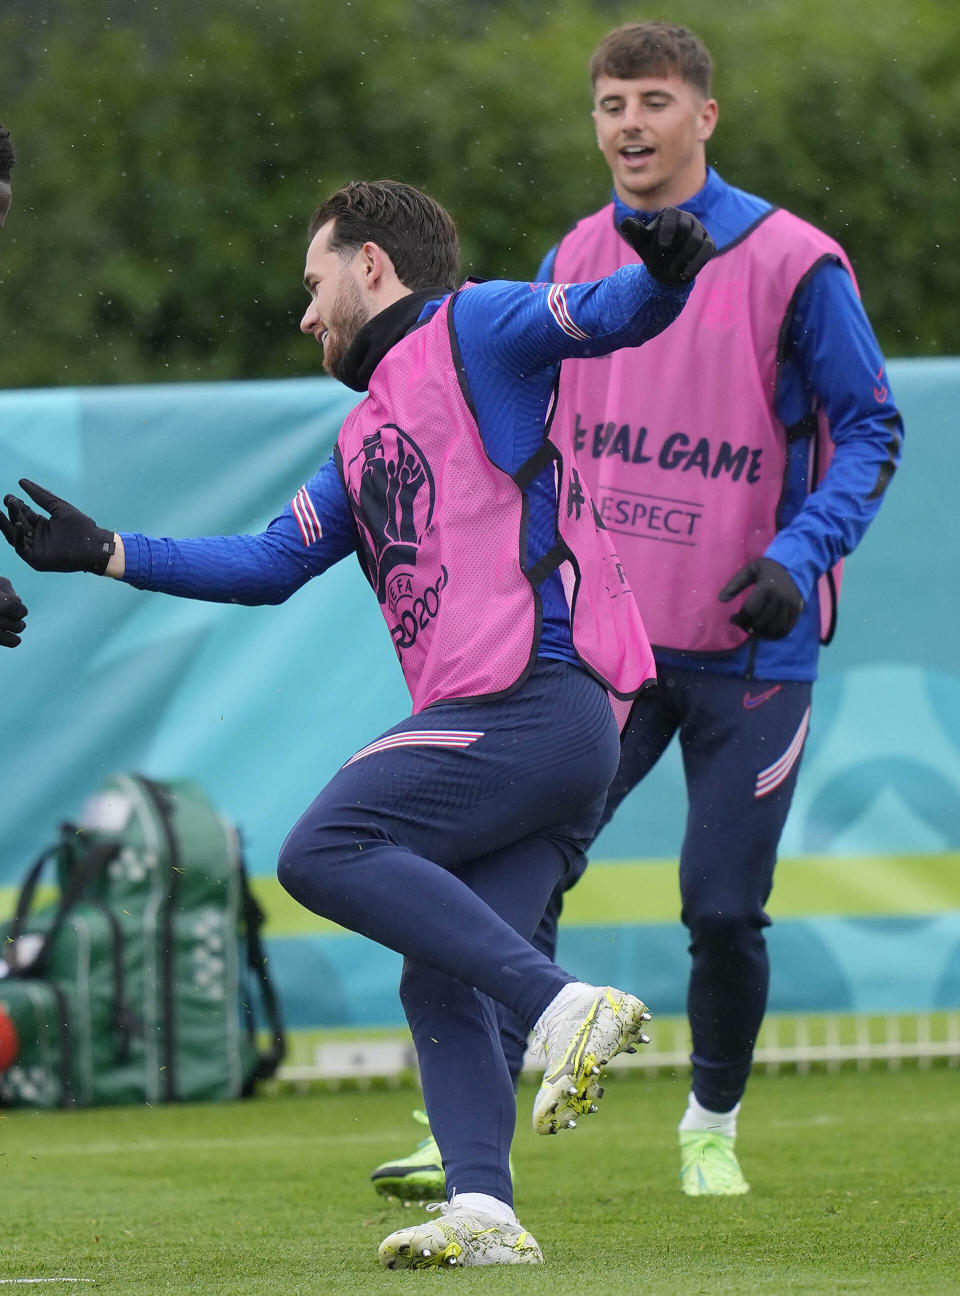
pixel 39 1280
pixel 189 1145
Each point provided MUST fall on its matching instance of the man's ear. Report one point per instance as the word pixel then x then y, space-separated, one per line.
pixel 373 263
pixel 708 119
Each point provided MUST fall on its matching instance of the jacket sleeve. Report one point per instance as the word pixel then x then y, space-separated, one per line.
pixel 523 328
pixel 313 532
pixel 833 363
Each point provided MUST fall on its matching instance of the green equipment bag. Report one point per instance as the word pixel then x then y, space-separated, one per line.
pixel 35 1016
pixel 146 980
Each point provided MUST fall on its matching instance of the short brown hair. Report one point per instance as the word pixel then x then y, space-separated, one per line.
pixel 417 234
pixel 643 49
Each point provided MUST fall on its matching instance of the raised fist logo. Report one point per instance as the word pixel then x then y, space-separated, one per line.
pixel 393 502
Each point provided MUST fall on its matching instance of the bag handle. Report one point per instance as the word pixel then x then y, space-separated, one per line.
pixel 28 891
pixel 92 864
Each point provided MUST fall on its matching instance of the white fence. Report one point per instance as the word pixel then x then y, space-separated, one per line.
pixel 797 1043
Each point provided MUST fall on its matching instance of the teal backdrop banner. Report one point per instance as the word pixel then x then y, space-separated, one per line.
pixel 263 705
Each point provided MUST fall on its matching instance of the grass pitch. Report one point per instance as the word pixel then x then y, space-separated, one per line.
pixel 856 1188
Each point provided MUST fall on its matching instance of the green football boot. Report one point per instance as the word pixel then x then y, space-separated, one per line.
pixel 708 1165
pixel 414 1178
pixel 418 1177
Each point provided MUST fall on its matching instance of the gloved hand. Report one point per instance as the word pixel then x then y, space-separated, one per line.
pixel 771 610
pixel 674 246
pixel 12 612
pixel 67 540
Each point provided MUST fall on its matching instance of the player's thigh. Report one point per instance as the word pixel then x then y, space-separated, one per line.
pixel 461 781
pixel 742 745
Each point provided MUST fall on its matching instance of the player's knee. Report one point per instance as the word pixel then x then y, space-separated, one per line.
pixel 300 867
pixel 724 928
pixel 290 870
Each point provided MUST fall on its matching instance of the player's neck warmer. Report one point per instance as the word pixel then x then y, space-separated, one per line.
pixel 378 335
pixel 442 537
pixel 679 439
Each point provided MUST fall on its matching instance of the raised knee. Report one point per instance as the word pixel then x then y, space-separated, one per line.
pixel 297 858
pixel 288 871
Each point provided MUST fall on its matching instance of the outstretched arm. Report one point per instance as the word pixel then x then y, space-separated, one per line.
pixel 524 328
pixel 312 533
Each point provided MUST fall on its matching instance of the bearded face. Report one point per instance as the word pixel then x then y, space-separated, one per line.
pixel 345 318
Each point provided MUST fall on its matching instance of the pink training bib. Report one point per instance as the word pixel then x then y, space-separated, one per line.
pixel 440 532
pixel 678 438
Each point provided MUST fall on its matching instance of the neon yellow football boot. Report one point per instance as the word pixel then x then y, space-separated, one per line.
pixel 417 1177
pixel 708 1165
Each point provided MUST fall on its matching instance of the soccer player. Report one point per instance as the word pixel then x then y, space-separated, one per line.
pixel 12 610
pixel 506 605
pixel 737 459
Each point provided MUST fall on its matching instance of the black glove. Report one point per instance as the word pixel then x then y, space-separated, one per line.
pixel 12 613
pixel 674 246
pixel 772 609
pixel 65 541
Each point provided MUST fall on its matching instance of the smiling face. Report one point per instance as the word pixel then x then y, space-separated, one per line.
pixel 337 309
pixel 653 132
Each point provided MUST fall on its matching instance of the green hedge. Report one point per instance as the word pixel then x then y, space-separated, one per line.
pixel 171 154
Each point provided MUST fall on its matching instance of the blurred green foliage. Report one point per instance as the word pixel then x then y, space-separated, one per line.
pixel 171 154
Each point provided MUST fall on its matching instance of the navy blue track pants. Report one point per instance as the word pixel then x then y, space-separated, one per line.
pixel 741 743
pixel 444 840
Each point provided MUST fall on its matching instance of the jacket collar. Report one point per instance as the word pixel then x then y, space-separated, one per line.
pixel 699 203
